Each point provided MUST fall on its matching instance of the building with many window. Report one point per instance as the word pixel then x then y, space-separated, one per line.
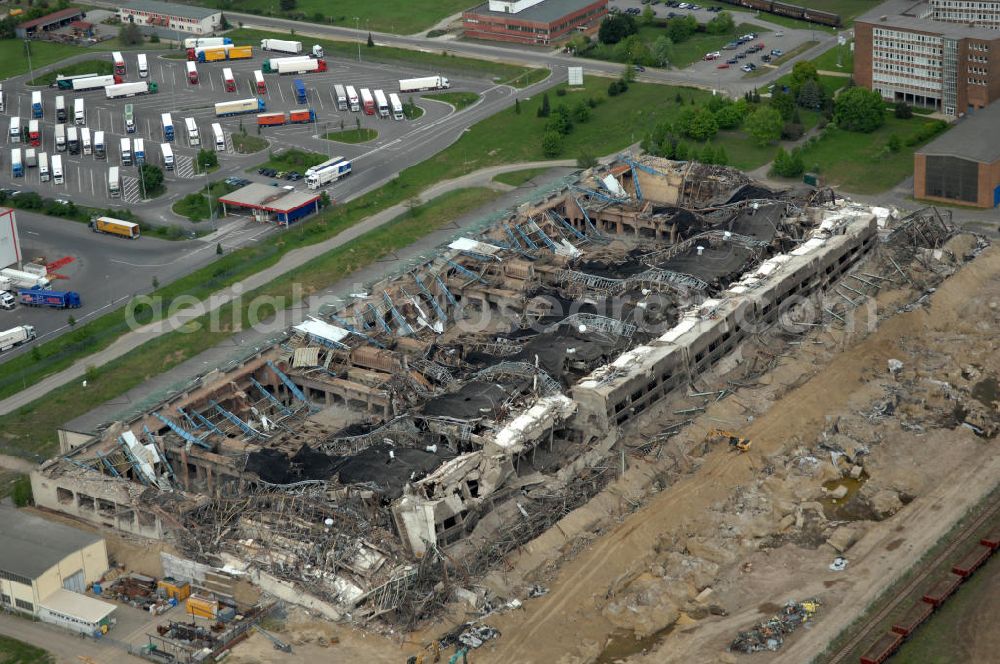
pixel 967 11
pixel 39 557
pixel 902 52
pixel 539 22
pixel 963 165
pixel 169 16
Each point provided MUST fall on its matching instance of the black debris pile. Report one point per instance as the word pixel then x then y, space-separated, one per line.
pixel 470 635
pixel 390 468
pixel 750 192
pixel 770 634
pixel 276 467
pixel 473 400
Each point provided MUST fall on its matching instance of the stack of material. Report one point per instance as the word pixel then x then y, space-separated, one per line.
pixel 770 634
pixel 203 607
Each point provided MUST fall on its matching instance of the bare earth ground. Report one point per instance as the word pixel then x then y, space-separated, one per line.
pixel 745 533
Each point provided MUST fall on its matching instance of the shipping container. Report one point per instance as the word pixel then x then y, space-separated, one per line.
pixel 16 164
pixel 34 133
pixel 72 139
pixel 301 115
pixel 252 105
pixel 192 73
pixel 40 297
pixel 91 83
pixel 423 83
pixel 79 113
pixel 882 649
pixel 36 103
pixel 168 156
pixel 15 129
pixel 43 167
pixel 913 618
pixel 240 53
pixel 129 119
pixel 60 108
pixel 130 89
pixel 299 88
pixel 174 589
pixel 991 540
pixel 112 226
pixel 16 336
pixel 61 137
pixel 202 607
pixel 220 138
pixel 270 119
pixel 139 151
pixel 195 42
pixel 30 158
pixel 281 45
pixel 125 146
pixel 85 143
pixel 167 123
pixel 397 107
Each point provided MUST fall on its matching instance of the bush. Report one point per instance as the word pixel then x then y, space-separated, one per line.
pixel 581 112
pixel 698 123
pixel 928 131
pixel 859 109
pixel 616 28
pixel 617 87
pixel 903 111
pixel 895 144
pixel 561 92
pixel 544 109
pixel 764 125
pixel 551 144
pixel 788 165
pixel 792 131
pixel 21 493
pixel 731 115
pixel 207 159
pixel 560 121
pixel 722 24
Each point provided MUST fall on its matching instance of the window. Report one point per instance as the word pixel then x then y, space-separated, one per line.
pixel 952 177
pixel 4 599
pixel 16 578
pixel 21 604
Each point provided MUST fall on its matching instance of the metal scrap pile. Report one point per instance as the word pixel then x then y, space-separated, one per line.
pixel 470 634
pixel 770 634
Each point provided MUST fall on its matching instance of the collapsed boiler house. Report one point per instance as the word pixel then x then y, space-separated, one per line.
pixel 459 409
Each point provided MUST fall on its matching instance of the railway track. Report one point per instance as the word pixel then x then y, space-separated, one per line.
pixel 960 539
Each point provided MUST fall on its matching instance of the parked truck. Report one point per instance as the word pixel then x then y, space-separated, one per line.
pixel 2 102
pixel 44 174
pixel 31 158
pixel 352 99
pixel 34 133
pixel 301 116
pixel 36 103
pixel 79 113
pixel 258 79
pixel 397 106
pixel 66 82
pixel 60 108
pixel 168 156
pixel 126 150
pixel 60 137
pixel 100 148
pixel 299 65
pixel 116 227
pixel 57 169
pixel 119 62
pixel 340 97
pixel 228 81
pixel 281 45
pixel 15 129
pixel 270 119
pixel 252 105
pixel 16 165
pixel 41 297
pixel 129 119
pixel 220 138
pixel 114 182
pixel 168 127
pixel 130 89
pixel 192 132
pixel 367 101
pixel 16 336
pixel 24 279
pixel 143 65
pixel 219 53
pixel 327 172
pixel 192 73
pixel 85 143
pixel 72 139
pixel 423 83
pixel 139 151
pixel 381 104
pixel 300 91
pixel 195 42
pixel 93 83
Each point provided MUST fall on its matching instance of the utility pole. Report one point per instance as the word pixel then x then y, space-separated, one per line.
pixel 357 26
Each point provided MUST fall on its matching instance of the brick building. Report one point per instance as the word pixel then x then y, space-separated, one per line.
pixel 902 52
pixel 963 165
pixel 531 21
pixel 170 16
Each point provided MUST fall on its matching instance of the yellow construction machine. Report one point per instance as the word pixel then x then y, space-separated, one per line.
pixel 736 442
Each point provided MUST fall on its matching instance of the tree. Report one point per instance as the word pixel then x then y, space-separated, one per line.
pixel 662 51
pixel 731 115
pixel 698 123
pixel 207 159
pixel 895 143
pixel 764 125
pixel 802 72
pixel 71 321
pixel 811 95
pixel 560 122
pixel 722 24
pixel 129 34
pixel 324 200
pixel 682 27
pixel 783 103
pixel 648 16
pixel 859 109
pixel 721 158
pixel 288 5
pixel 218 245
pixel 371 42
pixel 544 109
pixel 581 112
pixel 788 165
pixel 633 50
pixel 551 144
pixel 616 28
pixel 903 111
pixel 152 179
pixel 517 106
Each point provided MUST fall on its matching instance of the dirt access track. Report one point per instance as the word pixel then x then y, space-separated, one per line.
pixel 942 468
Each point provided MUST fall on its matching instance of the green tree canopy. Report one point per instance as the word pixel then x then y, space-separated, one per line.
pixel 764 125
pixel 616 28
pixel 859 109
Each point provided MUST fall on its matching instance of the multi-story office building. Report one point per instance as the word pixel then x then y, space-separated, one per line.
pixel 985 14
pixel 903 53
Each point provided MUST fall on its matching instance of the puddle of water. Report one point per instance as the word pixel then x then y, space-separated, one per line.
pixel 986 391
pixel 850 507
pixel 622 644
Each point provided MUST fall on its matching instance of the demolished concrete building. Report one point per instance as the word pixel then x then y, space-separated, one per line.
pixel 468 400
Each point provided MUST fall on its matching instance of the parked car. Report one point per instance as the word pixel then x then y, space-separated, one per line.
pixel 741 55
pixel 765 58
pixel 732 61
pixel 714 55
pixel 777 52
pixel 748 67
pixel 639 68
pixel 731 46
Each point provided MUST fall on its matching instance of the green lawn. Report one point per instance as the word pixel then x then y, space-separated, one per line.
pixel 362 135
pixel 26 433
pixel 397 16
pixel 195 206
pixel 100 67
pixel 432 61
pixel 517 178
pixel 848 9
pixel 828 59
pixel 13 651
pixel 776 62
pixel 459 100
pixel 13 61
pixel 858 163
pixel 781 21
pixel 291 160
pixel 248 143
pixel 681 55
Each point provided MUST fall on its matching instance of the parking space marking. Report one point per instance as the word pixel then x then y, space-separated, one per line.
pixel 229 141
pixel 130 190
pixel 183 166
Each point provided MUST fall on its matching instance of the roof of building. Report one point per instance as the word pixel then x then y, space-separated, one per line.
pixel 54 17
pixel 973 137
pixel 266 197
pixel 907 14
pixel 87 609
pixel 544 12
pixel 170 9
pixel 31 545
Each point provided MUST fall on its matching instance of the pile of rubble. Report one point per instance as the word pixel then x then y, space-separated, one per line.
pixel 770 634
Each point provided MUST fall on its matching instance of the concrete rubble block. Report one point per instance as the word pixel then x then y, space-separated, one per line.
pixel 885 503
pixel 467 596
pixel 856 472
pixel 786 523
pixel 644 606
pixel 813 506
pixel 844 537
pixel 837 493
pixel 702 548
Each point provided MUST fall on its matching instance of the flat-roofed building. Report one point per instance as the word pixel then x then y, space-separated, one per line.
pixel 963 165
pixel 531 21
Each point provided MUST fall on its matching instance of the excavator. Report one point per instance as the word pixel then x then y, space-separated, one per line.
pixel 737 442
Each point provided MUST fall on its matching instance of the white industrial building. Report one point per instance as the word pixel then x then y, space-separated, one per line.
pixel 44 566
pixel 10 243
pixel 170 16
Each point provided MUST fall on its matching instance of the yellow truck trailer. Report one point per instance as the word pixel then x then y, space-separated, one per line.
pixel 240 52
pixel 115 227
